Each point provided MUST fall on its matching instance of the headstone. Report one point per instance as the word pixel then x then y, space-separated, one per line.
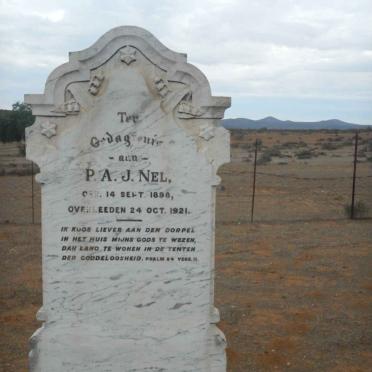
pixel 128 141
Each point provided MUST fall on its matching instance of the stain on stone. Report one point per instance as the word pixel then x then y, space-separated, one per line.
pixel 187 191
pixel 171 280
pixel 116 277
pixel 144 305
pixel 179 304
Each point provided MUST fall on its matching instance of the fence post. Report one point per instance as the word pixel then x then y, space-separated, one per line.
pixel 254 179
pixel 32 191
pixel 354 176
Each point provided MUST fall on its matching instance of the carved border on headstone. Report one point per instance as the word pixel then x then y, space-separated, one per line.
pixel 128 55
pixel 95 84
pixel 72 106
pixel 127 40
pixel 186 110
pixel 48 129
pixel 161 86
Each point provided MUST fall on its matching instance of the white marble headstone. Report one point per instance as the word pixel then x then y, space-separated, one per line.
pixel 128 140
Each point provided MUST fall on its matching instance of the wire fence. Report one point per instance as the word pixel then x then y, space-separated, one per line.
pixel 283 192
pixel 279 197
pixel 288 198
pixel 20 196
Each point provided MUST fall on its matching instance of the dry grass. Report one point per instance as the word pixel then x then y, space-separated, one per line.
pixel 294 289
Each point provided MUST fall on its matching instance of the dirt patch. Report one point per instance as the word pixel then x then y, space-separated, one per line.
pixel 294 288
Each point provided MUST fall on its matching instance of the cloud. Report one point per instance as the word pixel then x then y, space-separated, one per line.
pixel 260 48
pixel 54 16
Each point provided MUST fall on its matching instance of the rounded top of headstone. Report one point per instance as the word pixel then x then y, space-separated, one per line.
pixel 120 34
pixel 126 40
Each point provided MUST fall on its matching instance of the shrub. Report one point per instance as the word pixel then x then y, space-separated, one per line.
pixel 238 135
pixel 290 144
pixel 13 122
pixel 259 144
pixel 348 142
pixel 265 158
pixel 304 154
pixel 276 152
pixel 246 146
pixel 329 146
pixel 360 210
pixel 362 153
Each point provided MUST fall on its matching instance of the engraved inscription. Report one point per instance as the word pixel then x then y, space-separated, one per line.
pixel 126 118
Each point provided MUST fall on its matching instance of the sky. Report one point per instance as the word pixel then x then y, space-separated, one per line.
pixel 302 60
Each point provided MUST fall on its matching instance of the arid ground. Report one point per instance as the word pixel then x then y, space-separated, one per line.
pixel 294 287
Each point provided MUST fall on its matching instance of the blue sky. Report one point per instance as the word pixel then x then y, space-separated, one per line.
pixel 297 60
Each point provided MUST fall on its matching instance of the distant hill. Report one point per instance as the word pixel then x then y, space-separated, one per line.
pixel 274 123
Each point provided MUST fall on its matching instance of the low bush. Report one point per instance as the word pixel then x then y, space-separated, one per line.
pixel 292 144
pixel 274 151
pixel 264 158
pixel 360 210
pixel 348 142
pixel 304 154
